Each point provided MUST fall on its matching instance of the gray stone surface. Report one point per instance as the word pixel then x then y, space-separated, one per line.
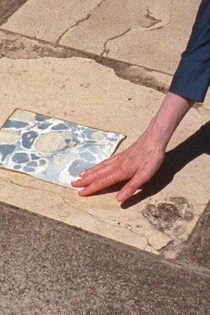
pixel 197 249
pixel 50 268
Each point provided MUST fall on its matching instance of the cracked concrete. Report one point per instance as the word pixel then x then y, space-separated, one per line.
pixel 8 7
pixel 61 88
pixel 43 71
pixel 82 20
pixel 15 46
pixel 149 33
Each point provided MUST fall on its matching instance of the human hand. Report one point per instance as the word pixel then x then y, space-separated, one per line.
pixel 143 158
pixel 137 164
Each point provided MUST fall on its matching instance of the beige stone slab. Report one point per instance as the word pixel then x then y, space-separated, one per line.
pixel 150 33
pixel 49 19
pixel 87 93
pixel 160 47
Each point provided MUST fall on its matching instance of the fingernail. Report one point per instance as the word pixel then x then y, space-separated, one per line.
pixel 120 197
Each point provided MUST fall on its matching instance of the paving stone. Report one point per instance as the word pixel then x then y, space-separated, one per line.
pixel 49 19
pixel 149 33
pixel 8 7
pixel 197 249
pixel 50 268
pixel 77 90
pixel 152 34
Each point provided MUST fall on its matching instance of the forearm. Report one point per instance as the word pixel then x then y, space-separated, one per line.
pixel 168 117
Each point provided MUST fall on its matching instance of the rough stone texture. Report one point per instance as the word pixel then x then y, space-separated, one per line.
pixel 197 249
pixel 62 89
pixel 49 268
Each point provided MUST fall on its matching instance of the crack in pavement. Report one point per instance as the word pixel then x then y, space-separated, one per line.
pixel 87 17
pixel 69 203
pixel 172 262
pixel 113 223
pixel 105 52
pixel 15 46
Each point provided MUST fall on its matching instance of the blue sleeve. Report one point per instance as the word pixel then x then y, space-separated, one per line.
pixel 192 77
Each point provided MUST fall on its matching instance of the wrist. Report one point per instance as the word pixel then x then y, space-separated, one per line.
pixel 168 117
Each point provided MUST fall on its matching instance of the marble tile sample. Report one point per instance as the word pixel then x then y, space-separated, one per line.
pixel 51 149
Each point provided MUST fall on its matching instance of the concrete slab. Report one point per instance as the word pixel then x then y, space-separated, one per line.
pixel 153 34
pixel 197 249
pixel 149 33
pixel 49 18
pixel 77 90
pixel 49 268
pixel 8 7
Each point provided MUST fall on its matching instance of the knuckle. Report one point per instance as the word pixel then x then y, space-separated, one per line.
pixel 131 186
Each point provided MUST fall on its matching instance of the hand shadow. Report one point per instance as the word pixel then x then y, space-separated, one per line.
pixel 175 160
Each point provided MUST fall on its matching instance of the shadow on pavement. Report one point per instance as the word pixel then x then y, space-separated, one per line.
pixel 175 160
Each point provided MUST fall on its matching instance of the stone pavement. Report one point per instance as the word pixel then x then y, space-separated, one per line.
pixel 48 268
pixel 106 64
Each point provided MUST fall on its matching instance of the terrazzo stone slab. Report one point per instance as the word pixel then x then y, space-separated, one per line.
pixel 82 91
pixel 51 149
pixel 150 33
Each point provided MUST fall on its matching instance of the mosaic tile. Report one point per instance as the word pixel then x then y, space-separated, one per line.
pixel 51 149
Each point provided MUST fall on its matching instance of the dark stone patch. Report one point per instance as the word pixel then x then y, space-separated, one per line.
pixel 185 210
pixel 44 126
pixel 41 117
pixel 17 167
pixel 89 132
pixel 6 150
pixel 161 215
pixel 21 158
pixel 15 124
pixel 42 162
pixel 29 169
pixel 164 215
pixel 171 218
pixel 34 156
pixel 78 166
pixel 60 126
pixel 28 139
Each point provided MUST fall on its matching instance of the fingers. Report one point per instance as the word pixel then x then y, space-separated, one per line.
pixel 127 191
pixel 99 166
pixel 102 171
pixel 100 182
pixel 131 187
pixel 134 164
pixel 101 176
